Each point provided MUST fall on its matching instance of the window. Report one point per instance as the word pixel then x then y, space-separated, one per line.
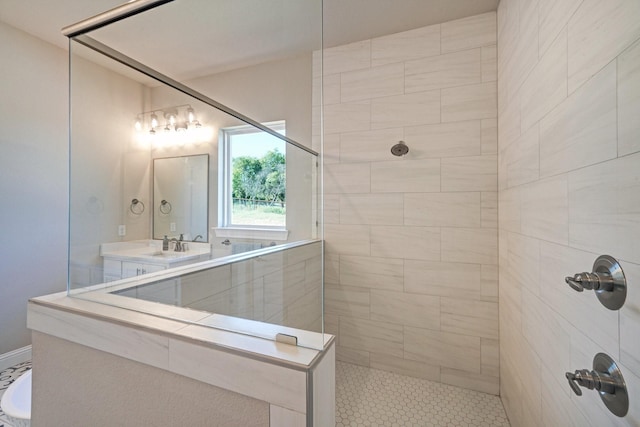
pixel 253 167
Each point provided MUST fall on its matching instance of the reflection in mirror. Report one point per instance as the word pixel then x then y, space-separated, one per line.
pixel 180 197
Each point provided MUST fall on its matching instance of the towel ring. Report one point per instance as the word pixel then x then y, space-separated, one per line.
pixel 165 207
pixel 136 207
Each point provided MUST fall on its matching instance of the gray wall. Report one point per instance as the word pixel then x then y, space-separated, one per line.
pixel 33 178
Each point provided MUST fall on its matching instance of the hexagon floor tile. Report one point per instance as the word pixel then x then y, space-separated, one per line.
pixel 370 397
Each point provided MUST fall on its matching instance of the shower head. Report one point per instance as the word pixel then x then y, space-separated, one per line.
pixel 400 149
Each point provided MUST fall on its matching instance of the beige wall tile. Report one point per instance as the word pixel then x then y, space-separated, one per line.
pixel 447 279
pixel 469 245
pixel 405 46
pixel 469 102
pixel 556 263
pixel 406 176
pixel 372 336
pixel 330 89
pixel 442 209
pixel 490 357
pixel 349 57
pixel 509 208
pixel 331 147
pixel 370 145
pixel 582 130
pixel 553 17
pixel 489 63
pixel 405 110
pixel 442 348
pixel 629 101
pixel 347 239
pixel 523 261
pixel 474 31
pixel 347 301
pixel 546 86
pixel 489 282
pixel 630 320
pixel 347 178
pixel 331 268
pixel 489 209
pixel 371 272
pixel 405 367
pixel 544 210
pixel 612 225
pixel 380 209
pixel 489 136
pixel 331 209
pixel 523 158
pixel 444 139
pixel 374 82
pixel 545 332
pixel 421 311
pixel 448 70
pixel 347 117
pixel 469 317
pixel 525 51
pixel 509 129
pixel 598 32
pixel 349 355
pixel 405 242
pixel 477 173
pixel 478 382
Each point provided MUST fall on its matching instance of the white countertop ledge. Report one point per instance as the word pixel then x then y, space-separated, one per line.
pixel 106 327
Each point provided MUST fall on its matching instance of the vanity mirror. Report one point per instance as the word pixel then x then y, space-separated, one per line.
pixel 180 197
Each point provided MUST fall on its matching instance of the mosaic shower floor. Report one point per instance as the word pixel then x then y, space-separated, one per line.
pixel 8 376
pixel 369 397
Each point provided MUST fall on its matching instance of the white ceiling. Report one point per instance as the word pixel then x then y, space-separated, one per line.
pixel 190 38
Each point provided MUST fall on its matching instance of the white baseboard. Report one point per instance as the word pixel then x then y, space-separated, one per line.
pixel 14 357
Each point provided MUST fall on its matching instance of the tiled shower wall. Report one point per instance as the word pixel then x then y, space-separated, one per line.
pixel 569 179
pixel 411 242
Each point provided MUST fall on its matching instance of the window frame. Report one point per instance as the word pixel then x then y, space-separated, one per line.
pixel 226 176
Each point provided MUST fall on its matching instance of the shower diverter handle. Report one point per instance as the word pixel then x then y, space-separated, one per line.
pixel 591 281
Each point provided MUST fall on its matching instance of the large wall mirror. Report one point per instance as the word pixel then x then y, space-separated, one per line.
pixel 180 197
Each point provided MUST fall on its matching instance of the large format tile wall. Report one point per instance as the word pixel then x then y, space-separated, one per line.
pixel 569 180
pixel 411 243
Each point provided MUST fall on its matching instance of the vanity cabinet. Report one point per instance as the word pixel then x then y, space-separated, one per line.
pixel 133 269
pixel 117 269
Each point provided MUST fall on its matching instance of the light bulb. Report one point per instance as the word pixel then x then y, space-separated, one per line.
pixel 154 120
pixel 190 114
pixel 172 119
pixel 138 125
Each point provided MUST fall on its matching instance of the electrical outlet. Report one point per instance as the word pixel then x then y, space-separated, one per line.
pixel 122 230
pixel 173 226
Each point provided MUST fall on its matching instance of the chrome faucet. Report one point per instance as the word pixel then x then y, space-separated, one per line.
pixel 179 247
pixel 199 236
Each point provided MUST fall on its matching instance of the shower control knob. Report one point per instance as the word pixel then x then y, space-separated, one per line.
pixel 607 379
pixel 607 280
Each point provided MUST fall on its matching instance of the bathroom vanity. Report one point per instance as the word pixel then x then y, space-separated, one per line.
pixel 129 259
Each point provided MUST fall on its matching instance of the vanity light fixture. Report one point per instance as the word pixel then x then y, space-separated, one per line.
pixel 178 118
pixel 154 121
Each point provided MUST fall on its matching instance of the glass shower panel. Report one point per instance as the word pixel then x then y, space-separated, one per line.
pixel 127 126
